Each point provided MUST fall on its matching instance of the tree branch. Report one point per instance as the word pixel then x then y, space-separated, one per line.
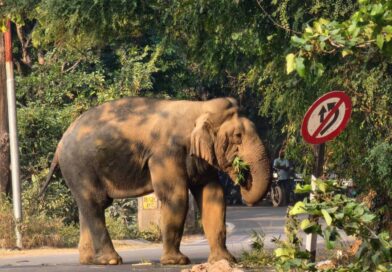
pixel 275 22
pixel 72 68
pixel 25 44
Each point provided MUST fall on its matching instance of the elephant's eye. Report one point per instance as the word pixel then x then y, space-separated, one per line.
pixel 237 138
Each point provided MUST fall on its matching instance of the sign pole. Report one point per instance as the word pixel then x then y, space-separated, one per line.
pixel 319 151
pixel 311 239
pixel 16 198
pixel 325 119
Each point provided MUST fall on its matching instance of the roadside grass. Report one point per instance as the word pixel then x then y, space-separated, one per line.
pixel 6 224
pixel 258 256
pixel 53 221
pixel 120 230
pixel 40 230
pixel 37 229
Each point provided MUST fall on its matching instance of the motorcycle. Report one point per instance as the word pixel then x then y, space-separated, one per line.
pixel 280 194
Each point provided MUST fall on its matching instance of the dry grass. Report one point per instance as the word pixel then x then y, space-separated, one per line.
pixel 37 230
pixel 7 226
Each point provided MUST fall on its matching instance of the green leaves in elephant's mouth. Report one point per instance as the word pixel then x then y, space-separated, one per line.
pixel 241 170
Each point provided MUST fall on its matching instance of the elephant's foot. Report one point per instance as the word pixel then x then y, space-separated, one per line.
pixel 221 255
pixel 104 259
pixel 112 259
pixel 178 258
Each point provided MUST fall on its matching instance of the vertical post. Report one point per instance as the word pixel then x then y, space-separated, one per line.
pixel 311 239
pixel 319 154
pixel 5 179
pixel 16 199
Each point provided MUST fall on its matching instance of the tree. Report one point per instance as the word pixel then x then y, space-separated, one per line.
pixel 95 51
pixel 356 55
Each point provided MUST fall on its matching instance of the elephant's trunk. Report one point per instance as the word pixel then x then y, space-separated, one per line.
pixel 260 172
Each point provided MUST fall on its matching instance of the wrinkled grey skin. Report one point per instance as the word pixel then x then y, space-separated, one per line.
pixel 135 146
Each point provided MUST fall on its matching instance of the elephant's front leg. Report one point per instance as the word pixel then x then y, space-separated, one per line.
pixel 170 186
pixel 211 201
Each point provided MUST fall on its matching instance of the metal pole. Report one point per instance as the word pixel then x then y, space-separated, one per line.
pixel 5 173
pixel 311 239
pixel 16 196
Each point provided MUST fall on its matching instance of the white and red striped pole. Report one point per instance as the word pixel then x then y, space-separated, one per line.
pixel 14 149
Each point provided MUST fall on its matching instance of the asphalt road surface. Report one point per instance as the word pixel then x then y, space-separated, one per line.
pixel 240 221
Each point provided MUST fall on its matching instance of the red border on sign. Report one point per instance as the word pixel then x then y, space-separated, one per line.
pixel 312 139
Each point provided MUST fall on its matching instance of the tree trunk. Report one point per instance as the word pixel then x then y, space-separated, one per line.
pixel 25 43
pixel 4 135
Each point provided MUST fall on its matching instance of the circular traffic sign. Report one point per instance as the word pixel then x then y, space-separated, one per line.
pixel 326 118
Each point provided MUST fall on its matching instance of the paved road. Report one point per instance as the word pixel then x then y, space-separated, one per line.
pixel 241 222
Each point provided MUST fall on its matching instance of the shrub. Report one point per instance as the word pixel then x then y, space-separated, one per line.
pixel 37 229
pixel 117 228
pixel 339 213
pixel 121 222
pixel 42 224
pixel 257 256
pixel 153 234
pixel 7 226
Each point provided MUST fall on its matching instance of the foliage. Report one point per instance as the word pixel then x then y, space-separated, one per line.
pixel 153 234
pixel 7 226
pixel 38 229
pixel 241 169
pixel 37 232
pixel 121 219
pixel 380 162
pixel 353 54
pixel 370 26
pixel 117 228
pixel 122 223
pixel 340 213
pixel 50 222
pixel 87 52
pixel 258 256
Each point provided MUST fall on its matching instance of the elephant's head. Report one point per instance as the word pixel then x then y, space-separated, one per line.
pixel 220 134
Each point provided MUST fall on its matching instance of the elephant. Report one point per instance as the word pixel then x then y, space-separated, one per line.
pixel 134 146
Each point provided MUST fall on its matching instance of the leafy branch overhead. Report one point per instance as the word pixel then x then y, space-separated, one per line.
pixel 86 52
pixel 369 27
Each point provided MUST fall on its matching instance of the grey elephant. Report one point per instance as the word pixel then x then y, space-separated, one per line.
pixel 134 146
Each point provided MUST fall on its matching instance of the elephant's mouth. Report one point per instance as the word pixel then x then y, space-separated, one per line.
pixel 247 182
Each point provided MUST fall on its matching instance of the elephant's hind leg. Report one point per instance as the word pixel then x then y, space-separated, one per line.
pixel 211 202
pixel 95 245
pixel 170 187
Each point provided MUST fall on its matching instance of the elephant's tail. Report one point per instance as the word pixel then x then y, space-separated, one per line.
pixel 53 167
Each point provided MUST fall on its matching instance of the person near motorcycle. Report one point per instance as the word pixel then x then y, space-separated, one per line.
pixel 282 166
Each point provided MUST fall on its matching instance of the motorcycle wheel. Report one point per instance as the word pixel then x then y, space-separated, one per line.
pixel 278 196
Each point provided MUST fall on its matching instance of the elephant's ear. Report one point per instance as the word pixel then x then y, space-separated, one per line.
pixel 202 139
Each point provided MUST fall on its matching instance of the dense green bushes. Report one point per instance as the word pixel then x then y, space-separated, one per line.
pixel 203 49
pixel 342 215
pixel 44 221
pixel 352 239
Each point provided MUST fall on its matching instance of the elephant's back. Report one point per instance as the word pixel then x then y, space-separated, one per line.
pixel 105 125
pixel 119 130
pixel 104 141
